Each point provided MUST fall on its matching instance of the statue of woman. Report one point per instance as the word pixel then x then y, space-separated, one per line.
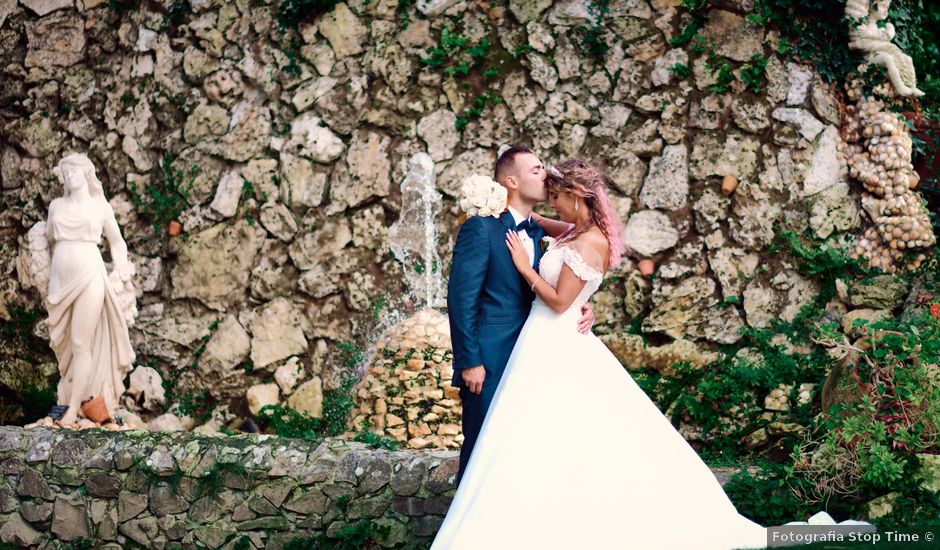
pixel 87 308
pixel 868 34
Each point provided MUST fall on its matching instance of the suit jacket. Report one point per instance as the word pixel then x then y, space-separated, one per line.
pixel 488 301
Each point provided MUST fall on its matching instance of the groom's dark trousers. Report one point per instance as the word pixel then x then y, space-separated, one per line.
pixel 488 302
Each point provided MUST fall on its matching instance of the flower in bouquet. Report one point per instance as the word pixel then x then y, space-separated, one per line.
pixel 481 196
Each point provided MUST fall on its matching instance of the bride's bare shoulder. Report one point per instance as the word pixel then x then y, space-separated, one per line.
pixel 593 247
pixel 593 240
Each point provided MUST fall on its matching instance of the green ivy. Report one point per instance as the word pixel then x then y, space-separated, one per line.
pixel 719 68
pixel 592 39
pixel 814 31
pixel 699 15
pixel 476 64
pixel 196 405
pixel 752 73
pixel 290 13
pixel 163 202
pixel 681 70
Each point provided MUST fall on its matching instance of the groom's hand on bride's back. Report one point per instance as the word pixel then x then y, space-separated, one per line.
pixel 587 319
pixel 473 378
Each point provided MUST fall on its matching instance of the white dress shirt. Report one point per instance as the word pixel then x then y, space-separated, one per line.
pixel 526 240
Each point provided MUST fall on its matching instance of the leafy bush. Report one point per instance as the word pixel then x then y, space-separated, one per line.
pixel 767 496
pixel 868 443
pixel 287 422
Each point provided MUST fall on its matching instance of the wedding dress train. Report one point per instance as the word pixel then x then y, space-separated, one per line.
pixel 573 454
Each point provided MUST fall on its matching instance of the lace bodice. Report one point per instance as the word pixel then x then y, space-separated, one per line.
pixel 550 269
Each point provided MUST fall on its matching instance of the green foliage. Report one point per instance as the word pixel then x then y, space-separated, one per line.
pixel 723 398
pixel 681 70
pixel 592 39
pixel 165 201
pixel 23 398
pixel 404 16
pixel 719 67
pixel 212 481
pixel 37 401
pixel 287 422
pixel 336 407
pixel 81 544
pixel 866 444
pixel 475 111
pixel 449 50
pixel 16 334
pixel 917 23
pixel 290 13
pixel 352 536
pixel 690 31
pixel 752 73
pixel 476 64
pixel 821 261
pixel 195 405
pixel 365 435
pixel 198 406
pixel 292 53
pixel 519 51
pixel 766 496
pixel 176 14
pixel 917 26
pixel 120 7
pixel 814 31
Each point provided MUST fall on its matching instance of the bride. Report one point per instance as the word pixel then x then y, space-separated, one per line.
pixel 572 453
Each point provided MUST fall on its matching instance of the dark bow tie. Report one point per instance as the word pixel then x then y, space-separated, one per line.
pixel 529 226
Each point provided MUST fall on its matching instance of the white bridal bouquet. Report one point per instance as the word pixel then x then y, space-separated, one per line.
pixel 481 196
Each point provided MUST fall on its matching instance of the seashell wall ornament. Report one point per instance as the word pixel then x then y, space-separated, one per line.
pixel 876 146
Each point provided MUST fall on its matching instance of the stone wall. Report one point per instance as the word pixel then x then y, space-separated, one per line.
pixel 137 489
pixel 296 139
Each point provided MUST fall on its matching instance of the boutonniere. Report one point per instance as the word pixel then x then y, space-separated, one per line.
pixel 547 243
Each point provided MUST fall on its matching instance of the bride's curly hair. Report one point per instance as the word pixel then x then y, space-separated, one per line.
pixel 589 182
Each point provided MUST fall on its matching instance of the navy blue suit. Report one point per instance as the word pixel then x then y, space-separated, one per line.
pixel 488 302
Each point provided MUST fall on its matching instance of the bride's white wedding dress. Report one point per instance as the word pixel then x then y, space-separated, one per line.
pixel 573 454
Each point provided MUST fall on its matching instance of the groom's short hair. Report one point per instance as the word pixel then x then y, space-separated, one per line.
pixel 506 161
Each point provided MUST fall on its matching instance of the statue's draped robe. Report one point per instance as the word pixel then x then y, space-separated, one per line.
pixel 77 268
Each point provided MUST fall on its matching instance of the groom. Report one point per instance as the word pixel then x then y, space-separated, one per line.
pixel 488 301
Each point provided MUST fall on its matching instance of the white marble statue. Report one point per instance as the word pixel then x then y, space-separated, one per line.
pixel 89 310
pixel 865 34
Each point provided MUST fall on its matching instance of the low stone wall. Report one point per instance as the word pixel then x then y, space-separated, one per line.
pixel 183 490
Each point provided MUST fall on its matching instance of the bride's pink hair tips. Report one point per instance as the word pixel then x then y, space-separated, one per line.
pixel 590 183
